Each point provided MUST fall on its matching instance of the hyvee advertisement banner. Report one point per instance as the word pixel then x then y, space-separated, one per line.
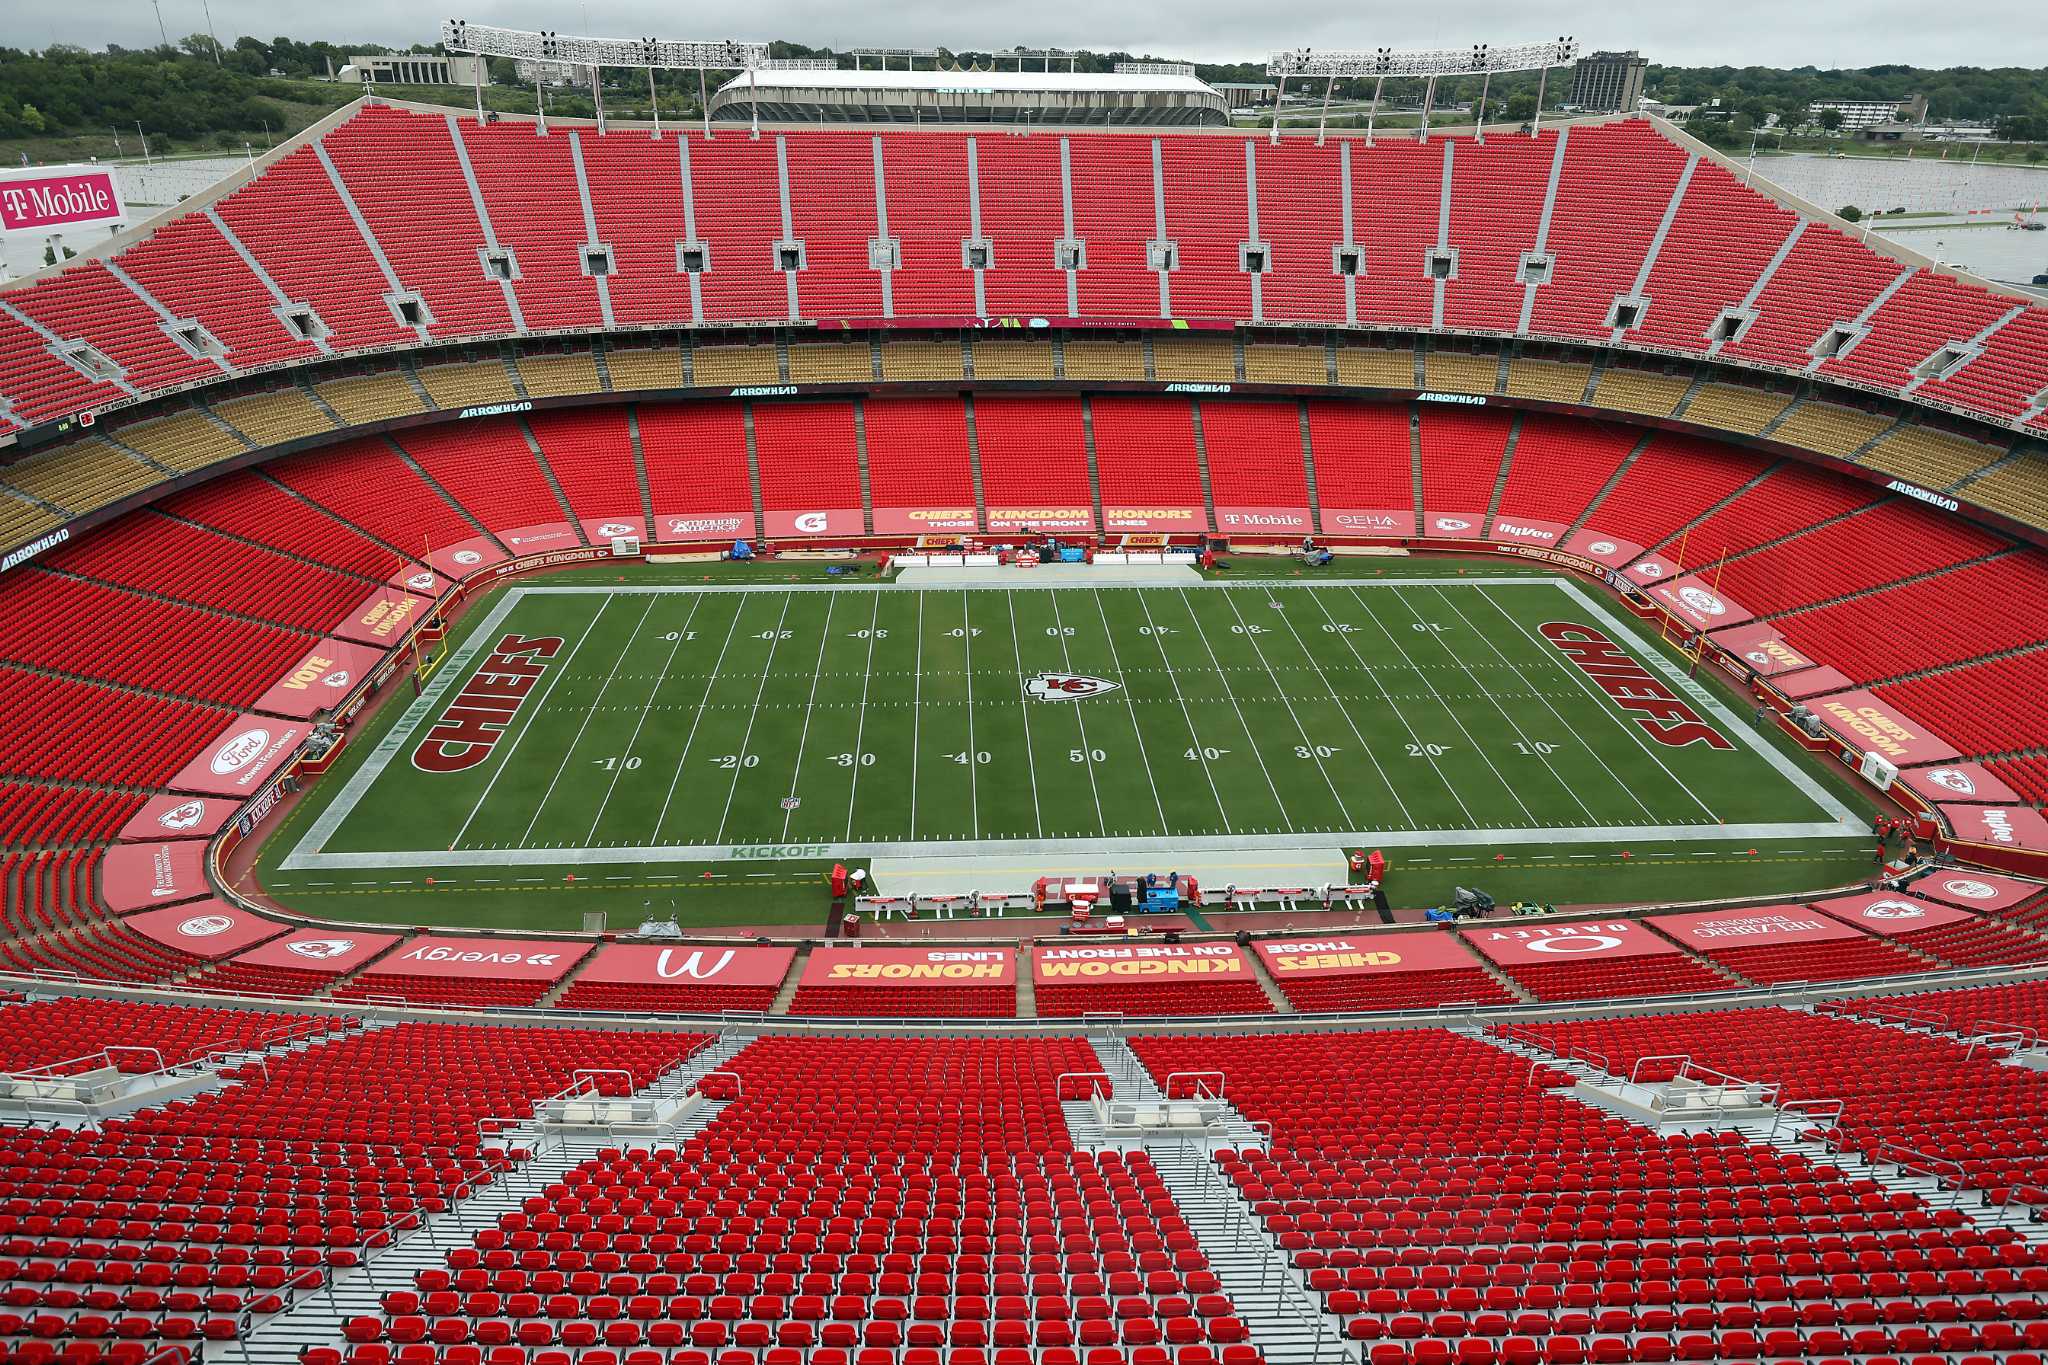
pixel 1138 962
pixel 1527 531
pixel 178 817
pixel 1891 912
pixel 2015 827
pixel 1711 930
pixel 210 928
pixel 485 959
pixel 133 876
pixel 321 680
pixel 1608 940
pixel 648 964
pixel 1364 955
pixel 242 757
pixel 328 951
pixel 878 966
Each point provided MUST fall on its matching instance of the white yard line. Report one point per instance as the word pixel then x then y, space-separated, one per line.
pixel 1144 759
pixel 1087 749
pixel 1308 741
pixel 973 782
pixel 526 723
pixel 1364 747
pixel 916 713
pixel 1024 706
pixel 860 727
pixel 584 725
pixel 1451 715
pixel 1217 664
pixel 1187 716
pixel 1601 702
pixel 697 720
pixel 739 767
pixel 646 708
pixel 810 708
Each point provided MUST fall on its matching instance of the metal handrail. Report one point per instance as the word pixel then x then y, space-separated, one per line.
pixel 1684 1060
pixel 1085 1076
pixel 589 1073
pixel 1173 1076
pixel 1812 1109
pixel 739 1082
pixel 1991 1032
pixel 103 1055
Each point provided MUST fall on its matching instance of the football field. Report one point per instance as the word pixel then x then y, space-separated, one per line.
pixel 643 725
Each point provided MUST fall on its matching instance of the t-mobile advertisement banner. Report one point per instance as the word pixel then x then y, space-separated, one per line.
pixel 1718 930
pixel 1691 600
pixel 1452 525
pixel 923 521
pixel 1976 890
pixel 384 617
pixel 1290 522
pixel 1612 551
pixel 878 966
pixel 1527 531
pixel 1138 962
pixel 728 526
pixel 648 964
pixel 330 952
pixel 320 681
pixel 210 929
pixel 1608 941
pixel 1048 517
pixel 134 876
pixel 1153 516
pixel 1364 955
pixel 1873 726
pixel 1761 647
pixel 1378 523
pixel 541 539
pixel 1958 781
pixel 241 757
pixel 485 959
pixel 465 557
pixel 605 530
pixel 177 817
pixel 833 521
pixel 1891 912
pixel 60 198
pixel 2014 827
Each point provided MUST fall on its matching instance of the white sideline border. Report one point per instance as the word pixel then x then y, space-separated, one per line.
pixel 309 854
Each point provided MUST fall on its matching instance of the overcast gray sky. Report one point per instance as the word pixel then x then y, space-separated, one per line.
pixel 1824 33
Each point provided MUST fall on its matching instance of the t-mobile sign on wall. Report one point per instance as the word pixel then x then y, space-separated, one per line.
pixel 57 198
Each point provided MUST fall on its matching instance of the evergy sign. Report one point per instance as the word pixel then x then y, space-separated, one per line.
pixel 48 198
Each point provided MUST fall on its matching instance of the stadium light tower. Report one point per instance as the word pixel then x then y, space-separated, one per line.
pixel 654 54
pixel 1427 64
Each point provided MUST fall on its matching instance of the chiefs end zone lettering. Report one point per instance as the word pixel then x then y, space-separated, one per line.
pixel 1657 708
pixel 463 736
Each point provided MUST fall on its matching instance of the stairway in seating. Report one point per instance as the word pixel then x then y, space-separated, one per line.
pixel 1287 1324
pixel 317 1319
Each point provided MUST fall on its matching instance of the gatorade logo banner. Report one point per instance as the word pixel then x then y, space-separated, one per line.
pixel 2009 827
pixel 465 557
pixel 1761 649
pixel 1139 962
pixel 242 757
pixel 832 521
pixel 485 959
pixel 1974 890
pixel 210 928
pixel 384 617
pixel 1364 955
pixel 1608 940
pixel 647 964
pixel 1873 726
pixel 136 876
pixel 327 951
pixel 321 680
pixel 1958 782
pixel 177 817
pixel 1891 912
pixel 879 966
pixel 1717 929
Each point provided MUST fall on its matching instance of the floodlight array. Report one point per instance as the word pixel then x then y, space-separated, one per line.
pixel 459 35
pixel 1389 62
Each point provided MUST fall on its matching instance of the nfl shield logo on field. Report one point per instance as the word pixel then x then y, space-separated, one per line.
pixel 1067 686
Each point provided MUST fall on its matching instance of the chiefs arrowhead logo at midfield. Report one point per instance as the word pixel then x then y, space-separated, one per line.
pixel 1067 687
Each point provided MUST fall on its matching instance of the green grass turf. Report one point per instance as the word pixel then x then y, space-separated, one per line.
pixel 1438 708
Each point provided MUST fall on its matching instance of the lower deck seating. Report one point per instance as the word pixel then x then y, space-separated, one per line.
pixel 1666 974
pixel 108 951
pixel 441 990
pixel 666 997
pixel 1179 996
pixel 44 1032
pixel 1826 960
pixel 907 1002
pixel 1395 990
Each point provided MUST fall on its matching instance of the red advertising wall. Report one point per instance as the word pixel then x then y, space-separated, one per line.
pixel 59 199
pixel 209 928
pixel 1873 726
pixel 134 876
pixel 241 757
pixel 1976 890
pixel 1692 600
pixel 892 966
pixel 321 680
pixel 1715 929
pixel 1958 781
pixel 1137 961
pixel 485 959
pixel 178 817
pixel 385 616
pixel 2014 827
pixel 923 521
pixel 654 964
pixel 1891 912
pixel 1761 647
pixel 1612 551
pixel 1364 954
pixel 1607 940
pixel 332 951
